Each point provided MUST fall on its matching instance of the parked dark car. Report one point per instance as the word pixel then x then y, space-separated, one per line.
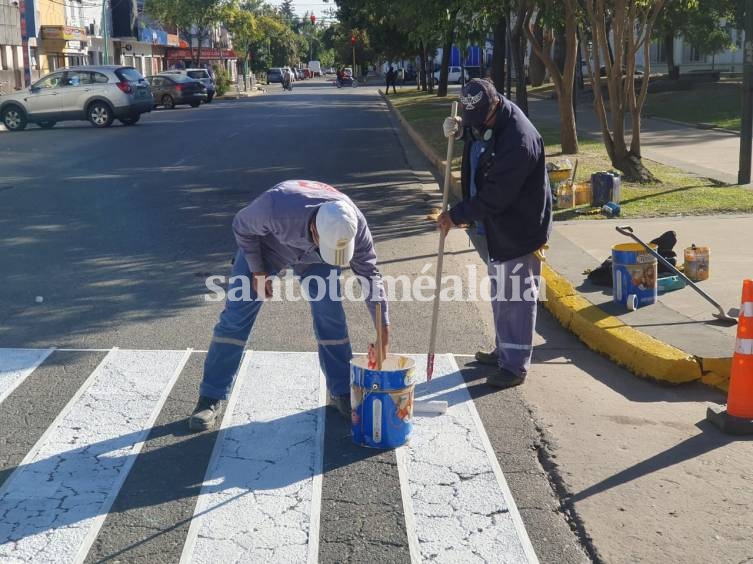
pixel 274 75
pixel 169 91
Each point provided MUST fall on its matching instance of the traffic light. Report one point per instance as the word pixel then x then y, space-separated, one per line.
pixel 353 39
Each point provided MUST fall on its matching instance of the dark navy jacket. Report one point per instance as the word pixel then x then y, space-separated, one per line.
pixel 513 198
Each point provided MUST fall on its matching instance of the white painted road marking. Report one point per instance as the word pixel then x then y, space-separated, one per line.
pixel 262 494
pixel 260 499
pixel 52 506
pixel 460 505
pixel 16 365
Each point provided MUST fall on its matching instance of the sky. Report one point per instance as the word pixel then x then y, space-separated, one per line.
pixel 319 7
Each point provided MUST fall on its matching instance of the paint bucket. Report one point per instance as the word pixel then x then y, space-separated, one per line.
pixel 581 193
pixel 564 196
pixel 382 402
pixel 697 263
pixel 634 275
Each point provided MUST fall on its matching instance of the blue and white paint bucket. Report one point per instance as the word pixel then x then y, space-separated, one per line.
pixel 634 274
pixel 382 402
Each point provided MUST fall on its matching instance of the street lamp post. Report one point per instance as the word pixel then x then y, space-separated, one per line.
pixel 746 124
pixel 105 53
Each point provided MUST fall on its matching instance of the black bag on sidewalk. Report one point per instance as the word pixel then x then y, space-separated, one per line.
pixel 602 276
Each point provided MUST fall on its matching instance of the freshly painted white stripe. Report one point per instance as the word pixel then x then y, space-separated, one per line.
pixel 16 365
pixel 744 346
pixel 316 494
pixel 462 506
pixel 52 506
pixel 401 457
pixel 746 309
pixel 257 502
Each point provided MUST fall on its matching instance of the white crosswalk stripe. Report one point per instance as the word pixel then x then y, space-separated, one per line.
pixel 261 497
pixel 16 365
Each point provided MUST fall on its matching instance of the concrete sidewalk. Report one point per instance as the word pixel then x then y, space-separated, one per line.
pixel 708 153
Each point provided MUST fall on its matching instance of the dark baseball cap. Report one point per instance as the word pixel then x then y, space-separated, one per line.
pixel 476 97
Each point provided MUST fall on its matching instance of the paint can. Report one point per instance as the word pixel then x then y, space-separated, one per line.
pixel 564 196
pixel 582 193
pixel 634 274
pixel 697 263
pixel 605 187
pixel 382 402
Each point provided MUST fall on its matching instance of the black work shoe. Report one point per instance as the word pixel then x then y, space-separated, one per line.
pixel 487 357
pixel 342 404
pixel 503 379
pixel 204 415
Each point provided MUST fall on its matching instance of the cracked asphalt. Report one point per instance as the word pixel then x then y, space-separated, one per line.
pixel 118 232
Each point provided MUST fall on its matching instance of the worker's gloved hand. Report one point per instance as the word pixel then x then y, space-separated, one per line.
pixel 452 126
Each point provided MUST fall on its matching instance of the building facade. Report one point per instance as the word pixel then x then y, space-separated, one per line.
pixel 11 50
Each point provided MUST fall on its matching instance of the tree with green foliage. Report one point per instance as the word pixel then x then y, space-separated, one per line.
pixel 194 19
pixel 632 24
pixel 558 15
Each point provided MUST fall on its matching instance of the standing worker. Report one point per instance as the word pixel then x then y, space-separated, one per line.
pixel 506 196
pixel 391 79
pixel 316 230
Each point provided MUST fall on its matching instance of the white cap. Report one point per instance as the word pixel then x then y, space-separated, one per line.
pixel 336 224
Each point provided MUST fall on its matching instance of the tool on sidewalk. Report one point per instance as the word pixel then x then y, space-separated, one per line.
pixel 722 316
pixel 440 253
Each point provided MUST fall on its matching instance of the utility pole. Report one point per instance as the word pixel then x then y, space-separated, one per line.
pixel 353 47
pixel 105 54
pixel 746 126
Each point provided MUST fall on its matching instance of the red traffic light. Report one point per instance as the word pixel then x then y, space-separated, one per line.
pixel 313 19
pixel 353 39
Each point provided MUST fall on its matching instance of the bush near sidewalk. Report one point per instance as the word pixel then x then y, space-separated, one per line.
pixel 679 193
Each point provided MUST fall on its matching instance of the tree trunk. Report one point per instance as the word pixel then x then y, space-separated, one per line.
pixel 499 54
pixel 536 67
pixel 560 51
pixel 669 48
pixel 519 42
pixel 446 52
pixel 509 65
pixel 568 131
pixel 421 67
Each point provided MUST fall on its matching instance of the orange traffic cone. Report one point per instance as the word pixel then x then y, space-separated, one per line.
pixel 737 419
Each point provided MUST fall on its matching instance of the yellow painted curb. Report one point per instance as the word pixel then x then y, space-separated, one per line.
pixel 716 372
pixel 640 353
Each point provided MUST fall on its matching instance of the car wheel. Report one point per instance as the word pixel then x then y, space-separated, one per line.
pixel 100 115
pixel 47 124
pixel 14 118
pixel 130 120
pixel 167 102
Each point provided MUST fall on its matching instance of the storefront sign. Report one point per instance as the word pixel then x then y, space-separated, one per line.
pixel 206 54
pixel 173 40
pixel 63 32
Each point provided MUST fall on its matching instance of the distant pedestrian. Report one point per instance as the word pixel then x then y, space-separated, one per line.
pixel 391 79
pixel 506 195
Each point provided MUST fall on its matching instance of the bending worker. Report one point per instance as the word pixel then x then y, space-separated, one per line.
pixel 506 197
pixel 316 230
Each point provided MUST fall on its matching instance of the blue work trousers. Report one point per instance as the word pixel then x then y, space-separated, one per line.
pixel 237 319
pixel 514 291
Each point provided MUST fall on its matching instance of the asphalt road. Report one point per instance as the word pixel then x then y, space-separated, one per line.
pixel 118 230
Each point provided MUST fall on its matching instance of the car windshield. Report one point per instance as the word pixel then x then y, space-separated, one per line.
pixel 129 73
pixel 198 74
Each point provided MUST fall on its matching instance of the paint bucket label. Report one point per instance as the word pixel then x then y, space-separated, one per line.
pixel 382 402
pixel 634 275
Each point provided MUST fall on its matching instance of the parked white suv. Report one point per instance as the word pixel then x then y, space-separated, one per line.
pixel 202 75
pixel 453 75
pixel 98 94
